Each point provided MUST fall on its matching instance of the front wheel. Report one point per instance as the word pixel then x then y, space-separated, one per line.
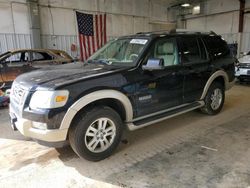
pixel 214 99
pixel 95 134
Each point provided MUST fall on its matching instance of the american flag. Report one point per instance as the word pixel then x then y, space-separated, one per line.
pixel 92 33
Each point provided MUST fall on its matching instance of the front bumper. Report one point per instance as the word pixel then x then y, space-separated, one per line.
pixel 242 72
pixel 26 129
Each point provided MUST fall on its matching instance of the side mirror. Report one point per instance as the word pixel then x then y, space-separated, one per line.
pixel 154 64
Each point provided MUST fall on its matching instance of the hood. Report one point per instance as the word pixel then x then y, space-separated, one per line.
pixel 59 75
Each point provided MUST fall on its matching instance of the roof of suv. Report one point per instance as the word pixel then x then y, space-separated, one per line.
pixel 173 32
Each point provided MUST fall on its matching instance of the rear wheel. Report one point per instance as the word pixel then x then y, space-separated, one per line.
pixel 214 99
pixel 96 133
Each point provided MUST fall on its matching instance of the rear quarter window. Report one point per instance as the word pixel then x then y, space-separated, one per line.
pixel 216 46
pixel 192 50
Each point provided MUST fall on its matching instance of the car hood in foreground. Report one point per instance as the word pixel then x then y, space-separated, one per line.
pixel 56 76
pixel 244 59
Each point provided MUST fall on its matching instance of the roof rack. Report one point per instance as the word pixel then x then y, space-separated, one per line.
pixel 191 31
pixel 153 32
pixel 176 31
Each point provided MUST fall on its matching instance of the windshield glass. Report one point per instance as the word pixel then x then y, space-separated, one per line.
pixel 119 52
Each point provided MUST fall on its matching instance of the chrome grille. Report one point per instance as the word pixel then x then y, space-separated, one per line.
pixel 18 94
pixel 244 65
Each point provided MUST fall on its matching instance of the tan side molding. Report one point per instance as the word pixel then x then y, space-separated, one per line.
pixel 212 78
pixel 94 96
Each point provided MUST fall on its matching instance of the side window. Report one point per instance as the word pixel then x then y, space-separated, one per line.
pixel 193 50
pixel 202 50
pixel 166 49
pixel 37 56
pixel 18 59
pixel 217 47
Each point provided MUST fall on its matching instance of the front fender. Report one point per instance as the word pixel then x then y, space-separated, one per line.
pixel 92 97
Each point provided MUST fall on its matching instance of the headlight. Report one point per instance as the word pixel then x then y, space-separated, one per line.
pixel 49 99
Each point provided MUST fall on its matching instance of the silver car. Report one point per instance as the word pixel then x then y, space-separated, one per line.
pixel 242 69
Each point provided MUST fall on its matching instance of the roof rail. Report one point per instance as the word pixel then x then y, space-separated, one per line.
pixel 212 32
pixel 191 31
pixel 175 31
pixel 153 32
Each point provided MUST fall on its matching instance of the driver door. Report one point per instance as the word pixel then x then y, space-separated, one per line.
pixel 159 90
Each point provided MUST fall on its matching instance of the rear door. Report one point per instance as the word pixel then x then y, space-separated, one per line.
pixel 195 61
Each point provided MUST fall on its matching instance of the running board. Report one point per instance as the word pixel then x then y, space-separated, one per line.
pixel 163 116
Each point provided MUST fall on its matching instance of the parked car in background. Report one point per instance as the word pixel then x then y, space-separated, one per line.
pixel 16 62
pixel 242 68
pixel 4 99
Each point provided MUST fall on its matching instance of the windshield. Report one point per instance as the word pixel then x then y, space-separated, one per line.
pixel 119 52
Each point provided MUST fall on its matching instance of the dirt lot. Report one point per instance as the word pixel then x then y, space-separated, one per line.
pixel 192 150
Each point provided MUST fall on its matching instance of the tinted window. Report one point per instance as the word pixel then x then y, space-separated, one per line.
pixel 193 50
pixel 203 53
pixel 216 46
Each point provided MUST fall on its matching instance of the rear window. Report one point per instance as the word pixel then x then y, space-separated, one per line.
pixel 216 46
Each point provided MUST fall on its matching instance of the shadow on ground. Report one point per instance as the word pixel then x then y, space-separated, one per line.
pixel 217 158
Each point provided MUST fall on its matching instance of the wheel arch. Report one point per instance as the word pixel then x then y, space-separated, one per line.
pixel 112 98
pixel 220 76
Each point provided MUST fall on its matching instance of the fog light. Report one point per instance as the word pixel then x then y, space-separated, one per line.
pixel 38 125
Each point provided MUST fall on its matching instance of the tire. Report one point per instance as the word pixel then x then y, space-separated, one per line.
pixel 94 141
pixel 214 99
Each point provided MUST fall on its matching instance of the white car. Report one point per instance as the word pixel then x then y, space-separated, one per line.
pixel 242 69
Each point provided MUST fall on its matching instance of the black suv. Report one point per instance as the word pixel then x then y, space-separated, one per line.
pixel 132 82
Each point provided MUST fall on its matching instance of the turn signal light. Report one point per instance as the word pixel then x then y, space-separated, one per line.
pixel 61 98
